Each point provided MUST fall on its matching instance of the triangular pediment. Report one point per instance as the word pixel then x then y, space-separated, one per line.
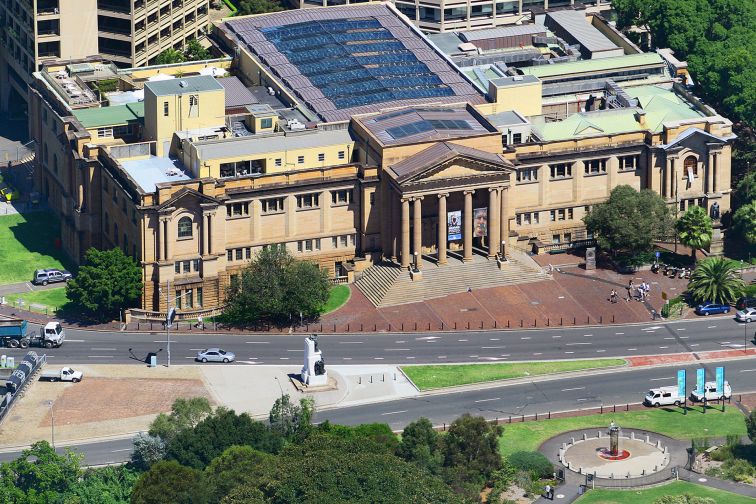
pixel 690 137
pixel 186 197
pixel 457 168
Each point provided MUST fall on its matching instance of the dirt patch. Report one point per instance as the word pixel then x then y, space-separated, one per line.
pixel 99 399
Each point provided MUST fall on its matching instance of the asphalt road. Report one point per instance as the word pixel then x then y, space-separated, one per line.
pixel 557 394
pixel 699 335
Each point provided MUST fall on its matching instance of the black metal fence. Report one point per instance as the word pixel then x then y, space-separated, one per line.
pixel 31 364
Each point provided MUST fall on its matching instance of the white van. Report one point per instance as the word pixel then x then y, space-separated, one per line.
pixel 663 396
pixel 710 390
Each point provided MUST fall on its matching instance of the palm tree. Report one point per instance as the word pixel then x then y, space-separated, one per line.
pixel 694 228
pixel 716 279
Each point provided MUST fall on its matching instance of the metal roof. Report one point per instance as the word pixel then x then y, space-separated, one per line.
pixel 256 145
pixel 506 118
pixel 576 24
pixel 436 154
pixel 196 84
pixel 353 59
pixel 237 95
pixel 503 32
pixel 594 65
pixel 110 116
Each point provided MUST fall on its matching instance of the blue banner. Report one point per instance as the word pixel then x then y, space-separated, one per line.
pixel 720 381
pixel 700 379
pixel 681 376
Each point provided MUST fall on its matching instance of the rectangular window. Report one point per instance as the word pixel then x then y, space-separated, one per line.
pixel 229 255
pixel 552 215
pixel 516 138
pixel 556 239
pixel 199 297
pixel 300 159
pixel 187 266
pixel 334 242
pixel 165 109
pixel 526 218
pixel 561 170
pixel 278 162
pixel 595 166
pixel 239 254
pixel 189 296
pixel 178 299
pixel 311 200
pixel 518 219
pixel 341 197
pixel 272 205
pixel 248 252
pixel 196 265
pixel 342 154
pixel 567 237
pixel 104 132
pixel 237 209
pixel 343 241
pixel 570 214
pixel 560 214
pixel 177 267
pixel 266 123
pixel 527 175
pixel 321 157
pixel 372 198
pixel 629 163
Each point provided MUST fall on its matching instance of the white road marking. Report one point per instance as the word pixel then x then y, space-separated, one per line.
pixel 121 450
pixel 351 342
pixel 632 349
pixel 393 412
pixel 196 349
pixel 75 340
pixel 462 340
pixel 400 341
pixel 587 335
pixel 670 337
pixel 397 349
pixel 377 358
pixel 346 358
pixel 100 356
pixel 684 337
pixel 576 388
pixel 525 337
pixel 569 352
pixel 747 370
pixel 580 343
pixel 492 347
pixel 297 350
pixel 557 336
pixel 442 357
pixel 493 339
pixel 184 357
pixel 538 353
pixel 651 331
pixel 680 328
pixel 103 349
pixel 488 400
pixel 725 343
pixel 428 338
pixel 712 327
pixel 665 378
pixel 599 351
pixel 283 358
pixel 473 356
pixel 257 342
pixel 619 333
pixel 583 399
pixel 410 357
pixel 694 344
pixel 653 328
pixel 663 347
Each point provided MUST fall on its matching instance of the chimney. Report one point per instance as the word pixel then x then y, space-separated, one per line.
pixel 640 116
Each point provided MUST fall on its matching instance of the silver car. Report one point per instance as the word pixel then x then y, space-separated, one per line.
pixel 215 355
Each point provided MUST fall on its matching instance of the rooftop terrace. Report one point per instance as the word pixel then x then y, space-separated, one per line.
pixel 110 116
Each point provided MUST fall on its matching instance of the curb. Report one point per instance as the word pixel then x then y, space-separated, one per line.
pixel 77 442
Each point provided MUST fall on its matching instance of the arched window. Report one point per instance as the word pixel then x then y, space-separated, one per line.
pixel 691 165
pixel 185 227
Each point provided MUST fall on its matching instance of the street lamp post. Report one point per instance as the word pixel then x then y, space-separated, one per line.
pixel 52 423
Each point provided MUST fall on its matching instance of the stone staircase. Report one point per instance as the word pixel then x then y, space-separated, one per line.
pixel 387 285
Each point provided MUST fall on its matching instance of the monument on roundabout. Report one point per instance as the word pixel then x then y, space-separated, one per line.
pixel 313 372
pixel 613 452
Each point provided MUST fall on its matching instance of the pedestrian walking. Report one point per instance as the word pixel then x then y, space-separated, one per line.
pixel 547 492
pixel 629 296
pixel 613 296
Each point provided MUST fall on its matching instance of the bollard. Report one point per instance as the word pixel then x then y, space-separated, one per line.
pixel 383 377
pixel 481 324
pixel 359 380
pixel 507 323
pixel 415 326
pixel 402 326
pixel 442 325
pixel 536 415
pixel 614 409
pixel 627 407
pixel 589 320
pixel 468 325
pixel 612 318
pixel 394 376
pixel 585 436
pixel 455 326
pixel 549 415
pixel 360 327
pixel 510 418
pixel 347 328
pixel 573 441
pixel 602 409
pixel 334 327
pixel 494 324
pixel 601 319
pixel 523 418
pixel 535 323
pixel 389 327
pixel 371 378
pixel 429 326
pixel 574 321
pixel 548 322
pixel 321 327
pixel 520 322
pixel 444 426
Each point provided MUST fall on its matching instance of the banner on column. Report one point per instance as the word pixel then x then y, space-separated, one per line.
pixel 681 392
pixel 454 225
pixel 480 222
pixel 700 379
pixel 720 381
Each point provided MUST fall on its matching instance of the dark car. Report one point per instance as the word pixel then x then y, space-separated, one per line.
pixel 745 302
pixel 46 276
pixel 712 308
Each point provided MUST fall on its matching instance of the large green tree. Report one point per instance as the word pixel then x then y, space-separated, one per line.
pixel 629 220
pixel 744 224
pixel 274 286
pixel 105 485
pixel 39 475
pixel 694 228
pixel 170 56
pixel 421 445
pixel 471 449
pixel 169 481
pixel 195 51
pixel 238 466
pixel 289 418
pixel 716 279
pixel 185 414
pixel 108 281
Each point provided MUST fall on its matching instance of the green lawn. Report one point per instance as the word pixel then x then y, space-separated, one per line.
pixel 52 299
pixel 528 436
pixel 27 242
pixel 338 296
pixel 649 495
pixel 430 377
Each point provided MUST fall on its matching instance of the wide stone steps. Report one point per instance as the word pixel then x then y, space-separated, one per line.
pixel 387 285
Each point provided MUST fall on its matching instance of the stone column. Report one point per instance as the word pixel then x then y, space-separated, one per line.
pixel 417 232
pixel 405 234
pixel 210 233
pixel 709 172
pixel 673 179
pixel 714 175
pixel 204 227
pixel 159 241
pixel 504 225
pixel 668 179
pixel 494 212
pixel 168 240
pixel 467 233
pixel 442 237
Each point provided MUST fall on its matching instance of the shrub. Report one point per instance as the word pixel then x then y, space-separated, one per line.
pixel 534 463
pixel 738 470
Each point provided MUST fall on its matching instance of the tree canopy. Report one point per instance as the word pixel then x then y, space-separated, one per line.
pixel 716 279
pixel 247 7
pixel 629 220
pixel 694 229
pixel 274 286
pixel 108 281
pixel 169 481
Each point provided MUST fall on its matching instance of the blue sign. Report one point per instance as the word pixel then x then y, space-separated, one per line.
pixel 700 379
pixel 681 375
pixel 658 254
pixel 720 381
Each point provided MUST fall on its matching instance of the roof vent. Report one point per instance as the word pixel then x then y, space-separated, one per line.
pixel 183 83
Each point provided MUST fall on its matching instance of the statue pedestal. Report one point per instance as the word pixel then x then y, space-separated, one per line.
pixel 716 247
pixel 416 275
pixel 313 371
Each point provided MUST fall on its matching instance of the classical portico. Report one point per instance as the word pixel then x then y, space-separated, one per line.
pixel 453 200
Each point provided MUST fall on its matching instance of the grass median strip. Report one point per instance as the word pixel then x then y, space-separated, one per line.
pixel 434 377
pixel 528 436
pixel 37 301
pixel 651 494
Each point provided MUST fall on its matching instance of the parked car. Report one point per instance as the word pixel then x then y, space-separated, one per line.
pixel 710 391
pixel 215 355
pixel 746 315
pixel 7 193
pixel 46 276
pixel 663 396
pixel 65 374
pixel 712 308
pixel 745 302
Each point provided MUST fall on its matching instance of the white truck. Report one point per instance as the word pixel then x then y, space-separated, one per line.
pixel 65 374
pixel 663 396
pixel 710 392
